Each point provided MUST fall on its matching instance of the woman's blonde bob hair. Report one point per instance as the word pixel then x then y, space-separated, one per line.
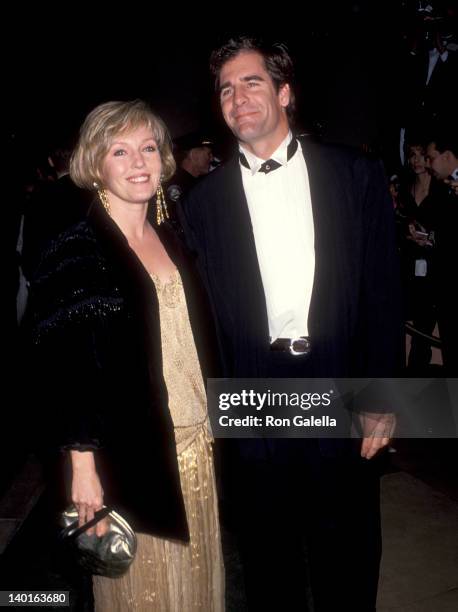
pixel 100 128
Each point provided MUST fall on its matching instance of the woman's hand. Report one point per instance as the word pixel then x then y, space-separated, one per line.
pixel 419 237
pixel 87 492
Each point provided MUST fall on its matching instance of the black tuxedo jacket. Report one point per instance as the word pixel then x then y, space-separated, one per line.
pixel 355 315
pixel 436 100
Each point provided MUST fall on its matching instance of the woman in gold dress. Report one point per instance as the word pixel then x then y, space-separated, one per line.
pixel 119 329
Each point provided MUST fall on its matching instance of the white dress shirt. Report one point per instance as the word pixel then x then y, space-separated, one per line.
pixel 280 207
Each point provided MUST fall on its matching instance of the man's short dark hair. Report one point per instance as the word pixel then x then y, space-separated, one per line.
pixel 445 139
pixel 277 60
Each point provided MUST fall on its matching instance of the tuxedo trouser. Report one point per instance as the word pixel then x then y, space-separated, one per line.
pixel 308 529
pixel 307 519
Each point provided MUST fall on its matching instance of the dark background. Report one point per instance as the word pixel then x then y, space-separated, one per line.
pixel 58 67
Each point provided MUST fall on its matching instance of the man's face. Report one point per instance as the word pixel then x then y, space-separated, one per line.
pixel 251 106
pixel 201 158
pixel 437 163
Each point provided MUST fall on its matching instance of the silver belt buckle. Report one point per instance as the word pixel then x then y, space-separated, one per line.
pixel 305 342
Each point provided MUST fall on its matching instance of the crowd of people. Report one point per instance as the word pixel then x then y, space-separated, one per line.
pixel 424 196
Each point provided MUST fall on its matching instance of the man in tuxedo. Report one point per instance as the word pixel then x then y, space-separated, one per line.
pixel 296 245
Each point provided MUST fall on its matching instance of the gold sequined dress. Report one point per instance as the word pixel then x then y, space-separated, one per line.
pixel 166 575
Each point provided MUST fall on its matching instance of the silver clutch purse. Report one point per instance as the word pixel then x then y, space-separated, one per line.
pixel 109 555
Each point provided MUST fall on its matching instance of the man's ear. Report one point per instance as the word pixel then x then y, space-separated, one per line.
pixel 284 95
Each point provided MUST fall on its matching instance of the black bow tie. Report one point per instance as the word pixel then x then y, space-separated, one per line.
pixel 271 164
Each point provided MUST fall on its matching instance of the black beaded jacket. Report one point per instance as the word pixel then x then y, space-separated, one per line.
pixel 94 346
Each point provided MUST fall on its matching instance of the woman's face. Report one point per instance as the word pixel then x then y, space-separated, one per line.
pixel 417 160
pixel 132 167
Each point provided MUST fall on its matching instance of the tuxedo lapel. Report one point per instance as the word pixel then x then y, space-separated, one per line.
pixel 323 187
pixel 246 272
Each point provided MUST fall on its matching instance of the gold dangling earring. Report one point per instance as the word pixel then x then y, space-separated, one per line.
pixel 161 207
pixel 104 199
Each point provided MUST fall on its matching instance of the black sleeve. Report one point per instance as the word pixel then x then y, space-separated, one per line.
pixel 381 336
pixel 195 227
pixel 381 286
pixel 63 333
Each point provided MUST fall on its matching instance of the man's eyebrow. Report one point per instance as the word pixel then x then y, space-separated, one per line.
pixel 224 85
pixel 250 77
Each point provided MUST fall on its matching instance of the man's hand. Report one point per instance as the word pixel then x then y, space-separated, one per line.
pixel 453 185
pixel 377 431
